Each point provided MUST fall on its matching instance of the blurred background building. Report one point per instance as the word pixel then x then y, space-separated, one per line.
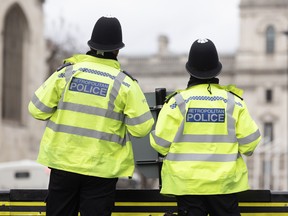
pixel 259 67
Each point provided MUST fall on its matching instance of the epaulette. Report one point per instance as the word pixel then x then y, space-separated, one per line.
pixel 235 91
pixel 236 95
pixel 129 75
pixel 64 65
pixel 168 97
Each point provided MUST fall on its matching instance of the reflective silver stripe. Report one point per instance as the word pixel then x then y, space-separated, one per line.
pixel 115 89
pixel 207 138
pixel 42 107
pixel 68 73
pixel 181 104
pixel 138 120
pixel 86 132
pixel 250 138
pixel 230 119
pixel 229 138
pixel 202 157
pixel 162 142
pixel 90 110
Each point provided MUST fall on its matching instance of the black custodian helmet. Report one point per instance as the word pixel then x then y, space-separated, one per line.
pixel 106 35
pixel 203 61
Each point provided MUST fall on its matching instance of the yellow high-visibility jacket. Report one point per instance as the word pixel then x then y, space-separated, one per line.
pixel 91 108
pixel 202 137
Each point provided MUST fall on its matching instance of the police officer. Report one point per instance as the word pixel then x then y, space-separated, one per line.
pixel 92 108
pixel 202 132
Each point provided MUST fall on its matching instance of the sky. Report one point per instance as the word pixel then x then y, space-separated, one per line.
pixel 143 21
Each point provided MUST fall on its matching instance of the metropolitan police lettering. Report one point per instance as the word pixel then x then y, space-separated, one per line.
pixel 88 86
pixel 216 115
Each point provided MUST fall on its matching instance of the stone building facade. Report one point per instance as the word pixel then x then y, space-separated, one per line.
pixel 22 68
pixel 259 67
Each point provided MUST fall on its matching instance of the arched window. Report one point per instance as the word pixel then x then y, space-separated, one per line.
pixel 15 33
pixel 268 132
pixel 270 40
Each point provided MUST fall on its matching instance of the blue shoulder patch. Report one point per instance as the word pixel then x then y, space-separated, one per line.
pixel 210 115
pixel 89 87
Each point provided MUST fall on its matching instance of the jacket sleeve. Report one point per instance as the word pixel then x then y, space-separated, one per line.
pixel 247 133
pixel 45 99
pixel 138 117
pixel 166 128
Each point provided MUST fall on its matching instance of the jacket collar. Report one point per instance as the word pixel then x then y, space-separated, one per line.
pixel 93 59
pixel 194 81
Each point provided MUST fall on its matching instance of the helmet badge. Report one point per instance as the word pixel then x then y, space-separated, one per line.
pixel 203 40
